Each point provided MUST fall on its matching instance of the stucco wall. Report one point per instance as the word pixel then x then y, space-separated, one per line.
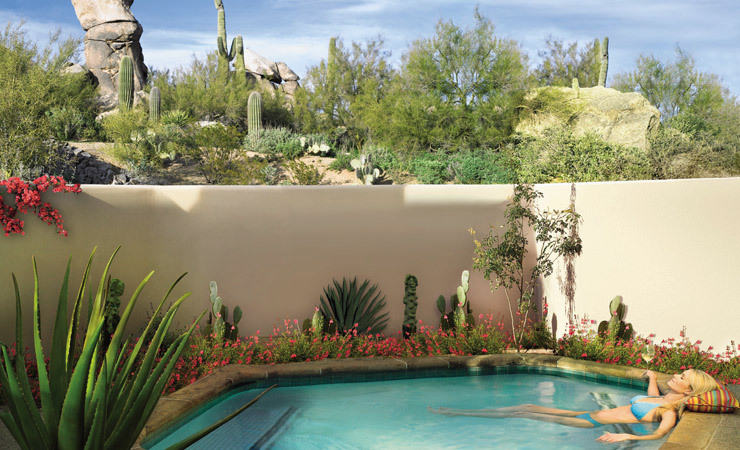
pixel 670 248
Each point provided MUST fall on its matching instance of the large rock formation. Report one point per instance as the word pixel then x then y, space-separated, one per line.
pixel 620 118
pixel 112 32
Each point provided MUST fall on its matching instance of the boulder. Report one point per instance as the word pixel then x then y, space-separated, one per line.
pixel 112 32
pixel 286 73
pixel 260 65
pixel 620 118
pixel 289 87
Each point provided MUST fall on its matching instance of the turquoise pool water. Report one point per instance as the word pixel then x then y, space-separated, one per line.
pixel 392 415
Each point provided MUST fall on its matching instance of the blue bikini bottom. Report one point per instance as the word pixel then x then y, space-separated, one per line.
pixel 587 416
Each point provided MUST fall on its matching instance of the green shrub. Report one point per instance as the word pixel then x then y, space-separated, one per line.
pixel 560 156
pixel 274 142
pixel 482 167
pixel 222 160
pixel 342 162
pixel 176 117
pixel 431 168
pixel 305 174
pixel 30 85
pixel 128 130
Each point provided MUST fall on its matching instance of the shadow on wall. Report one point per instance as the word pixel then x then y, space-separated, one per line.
pixel 271 249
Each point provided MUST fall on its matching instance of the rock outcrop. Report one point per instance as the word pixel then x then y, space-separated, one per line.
pixel 620 118
pixel 111 32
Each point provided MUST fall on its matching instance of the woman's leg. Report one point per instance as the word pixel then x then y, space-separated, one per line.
pixel 532 412
pixel 510 409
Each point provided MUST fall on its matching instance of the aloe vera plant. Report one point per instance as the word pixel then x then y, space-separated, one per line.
pixel 88 400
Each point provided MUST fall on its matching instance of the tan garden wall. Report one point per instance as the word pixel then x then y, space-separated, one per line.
pixel 670 248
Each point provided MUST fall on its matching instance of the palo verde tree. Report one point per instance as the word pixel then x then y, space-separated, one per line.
pixel 674 87
pixel 337 93
pixel 455 90
pixel 562 62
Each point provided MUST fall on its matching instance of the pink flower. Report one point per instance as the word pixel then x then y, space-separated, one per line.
pixel 584 355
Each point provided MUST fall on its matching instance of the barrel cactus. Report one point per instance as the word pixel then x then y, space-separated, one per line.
pixel 615 326
pixel 254 112
pixel 126 84
pixel 410 302
pixel 155 104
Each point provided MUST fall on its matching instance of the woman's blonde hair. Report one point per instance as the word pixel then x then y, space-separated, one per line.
pixel 700 382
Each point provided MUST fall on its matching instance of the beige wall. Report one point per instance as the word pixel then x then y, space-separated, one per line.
pixel 667 247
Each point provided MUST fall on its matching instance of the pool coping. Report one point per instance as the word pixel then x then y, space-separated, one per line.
pixel 694 431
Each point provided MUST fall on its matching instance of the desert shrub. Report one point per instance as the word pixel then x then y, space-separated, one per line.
pixel 560 156
pixel 305 174
pixel 128 130
pixel 482 167
pixel 274 142
pixel 383 158
pixel 342 161
pixel 30 85
pixel 222 159
pixel 432 168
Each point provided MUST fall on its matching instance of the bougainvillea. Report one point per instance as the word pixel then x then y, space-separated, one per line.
pixel 28 198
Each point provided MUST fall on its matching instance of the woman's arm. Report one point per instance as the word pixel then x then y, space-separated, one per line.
pixel 666 424
pixel 652 384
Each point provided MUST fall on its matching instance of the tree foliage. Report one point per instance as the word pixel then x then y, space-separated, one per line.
pixel 338 92
pixel 561 62
pixel 457 89
pixel 31 85
pixel 674 87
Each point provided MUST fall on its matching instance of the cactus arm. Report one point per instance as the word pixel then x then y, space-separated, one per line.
pixel 604 62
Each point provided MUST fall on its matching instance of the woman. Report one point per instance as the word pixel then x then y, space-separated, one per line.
pixel 653 407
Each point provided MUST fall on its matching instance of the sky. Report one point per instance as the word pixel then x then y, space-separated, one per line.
pixel 297 32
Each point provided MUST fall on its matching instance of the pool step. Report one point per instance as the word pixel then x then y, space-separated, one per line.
pixel 254 428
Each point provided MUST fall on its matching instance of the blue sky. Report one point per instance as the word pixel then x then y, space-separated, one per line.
pixel 298 31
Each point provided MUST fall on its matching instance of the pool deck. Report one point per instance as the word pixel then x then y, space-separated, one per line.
pixel 694 431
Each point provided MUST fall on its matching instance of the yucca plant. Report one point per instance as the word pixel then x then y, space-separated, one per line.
pixel 348 304
pixel 89 400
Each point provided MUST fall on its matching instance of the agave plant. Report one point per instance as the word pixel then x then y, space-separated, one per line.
pixel 347 305
pixel 89 400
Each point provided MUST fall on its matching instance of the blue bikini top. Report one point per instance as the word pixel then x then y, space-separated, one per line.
pixel 640 409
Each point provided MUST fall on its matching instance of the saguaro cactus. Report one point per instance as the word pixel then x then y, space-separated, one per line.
pixel 225 55
pixel 155 103
pixel 604 61
pixel 240 68
pixel 125 84
pixel 254 112
pixel 410 302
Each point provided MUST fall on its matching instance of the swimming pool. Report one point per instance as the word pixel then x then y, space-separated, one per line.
pixel 392 414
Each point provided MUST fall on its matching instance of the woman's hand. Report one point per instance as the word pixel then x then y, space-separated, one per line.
pixel 650 375
pixel 614 437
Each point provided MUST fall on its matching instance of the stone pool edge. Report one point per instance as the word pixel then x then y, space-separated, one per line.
pixel 694 431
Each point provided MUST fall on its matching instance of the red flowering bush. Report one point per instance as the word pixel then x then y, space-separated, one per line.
pixel 582 342
pixel 28 198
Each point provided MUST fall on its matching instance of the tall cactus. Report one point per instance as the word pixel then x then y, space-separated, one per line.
pixel 225 55
pixel 155 104
pixel 332 79
pixel 410 302
pixel 239 66
pixel 126 84
pixel 254 112
pixel 604 62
